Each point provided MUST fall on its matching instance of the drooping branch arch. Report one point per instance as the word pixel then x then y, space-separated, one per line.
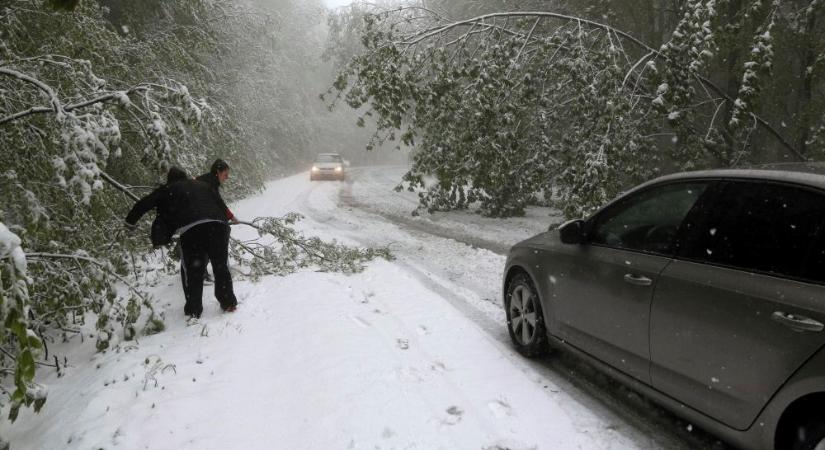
pixel 421 36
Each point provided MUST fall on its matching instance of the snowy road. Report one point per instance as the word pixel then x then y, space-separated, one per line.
pixel 409 354
pixel 459 256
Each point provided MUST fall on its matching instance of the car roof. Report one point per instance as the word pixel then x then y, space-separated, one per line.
pixel 806 173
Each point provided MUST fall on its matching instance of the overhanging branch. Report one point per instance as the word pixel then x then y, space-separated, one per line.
pixel 100 99
pixel 421 36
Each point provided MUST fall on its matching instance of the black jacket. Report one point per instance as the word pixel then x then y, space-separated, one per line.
pixel 212 180
pixel 179 204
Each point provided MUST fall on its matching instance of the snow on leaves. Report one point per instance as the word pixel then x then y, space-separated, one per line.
pixel 502 115
pixel 512 108
pixel 282 250
pixel 757 67
pixel 14 309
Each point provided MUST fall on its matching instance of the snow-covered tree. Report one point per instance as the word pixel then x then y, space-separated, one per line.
pixel 97 99
pixel 514 107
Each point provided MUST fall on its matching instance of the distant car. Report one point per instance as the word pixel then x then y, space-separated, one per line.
pixel 703 290
pixel 327 166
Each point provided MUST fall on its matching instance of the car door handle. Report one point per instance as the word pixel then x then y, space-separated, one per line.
pixel 797 323
pixel 638 280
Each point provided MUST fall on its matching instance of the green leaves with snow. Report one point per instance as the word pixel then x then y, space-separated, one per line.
pixel 281 250
pixel 511 108
pixel 16 332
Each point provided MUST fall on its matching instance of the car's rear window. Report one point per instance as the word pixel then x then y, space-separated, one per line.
pixel 762 227
pixel 328 158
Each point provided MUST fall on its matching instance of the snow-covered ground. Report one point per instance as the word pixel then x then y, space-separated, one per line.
pixel 409 354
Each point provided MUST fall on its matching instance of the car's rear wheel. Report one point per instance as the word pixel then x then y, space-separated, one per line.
pixel 810 434
pixel 525 320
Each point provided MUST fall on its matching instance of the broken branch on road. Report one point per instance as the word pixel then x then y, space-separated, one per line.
pixel 281 250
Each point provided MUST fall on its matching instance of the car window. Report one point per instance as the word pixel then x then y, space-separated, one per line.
pixel 815 262
pixel 760 227
pixel 647 221
pixel 328 158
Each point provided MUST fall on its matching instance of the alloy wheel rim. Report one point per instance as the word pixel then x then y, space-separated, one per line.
pixel 523 315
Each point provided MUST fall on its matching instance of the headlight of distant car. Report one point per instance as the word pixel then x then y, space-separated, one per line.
pixel 314 168
pixel 339 168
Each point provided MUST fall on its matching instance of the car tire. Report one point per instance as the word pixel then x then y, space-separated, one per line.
pixel 525 321
pixel 809 434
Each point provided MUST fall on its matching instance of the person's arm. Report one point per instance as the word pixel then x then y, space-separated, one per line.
pixel 143 206
pixel 231 216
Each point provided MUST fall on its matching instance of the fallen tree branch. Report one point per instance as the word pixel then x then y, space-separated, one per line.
pixel 56 107
pixel 291 250
pixel 68 108
pixel 118 185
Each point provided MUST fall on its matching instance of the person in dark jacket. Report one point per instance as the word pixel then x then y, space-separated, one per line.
pixel 217 175
pixel 161 233
pixel 196 213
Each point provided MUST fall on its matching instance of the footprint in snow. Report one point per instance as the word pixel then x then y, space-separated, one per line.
pixel 454 415
pixel 422 330
pixel 360 322
pixel 510 446
pixel 403 344
pixel 500 408
pixel 438 366
pixel 409 375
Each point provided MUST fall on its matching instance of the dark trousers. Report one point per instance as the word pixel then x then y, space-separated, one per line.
pixel 199 245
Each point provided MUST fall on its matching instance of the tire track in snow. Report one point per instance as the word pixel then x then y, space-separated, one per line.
pixel 347 199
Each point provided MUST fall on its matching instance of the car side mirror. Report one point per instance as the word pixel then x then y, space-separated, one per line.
pixel 572 232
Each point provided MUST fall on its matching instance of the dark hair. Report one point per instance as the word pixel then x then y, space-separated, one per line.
pixel 218 166
pixel 175 174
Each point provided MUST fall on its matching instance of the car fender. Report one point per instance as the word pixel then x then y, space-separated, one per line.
pixel 527 260
pixel 808 379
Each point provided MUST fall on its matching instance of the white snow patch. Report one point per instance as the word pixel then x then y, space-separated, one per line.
pixel 10 248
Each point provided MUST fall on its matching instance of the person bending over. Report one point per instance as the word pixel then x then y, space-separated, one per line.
pixel 198 215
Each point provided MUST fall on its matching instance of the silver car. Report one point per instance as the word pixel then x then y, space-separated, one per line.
pixel 327 166
pixel 703 290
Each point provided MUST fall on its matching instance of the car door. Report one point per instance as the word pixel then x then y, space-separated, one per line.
pixel 741 306
pixel 602 289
